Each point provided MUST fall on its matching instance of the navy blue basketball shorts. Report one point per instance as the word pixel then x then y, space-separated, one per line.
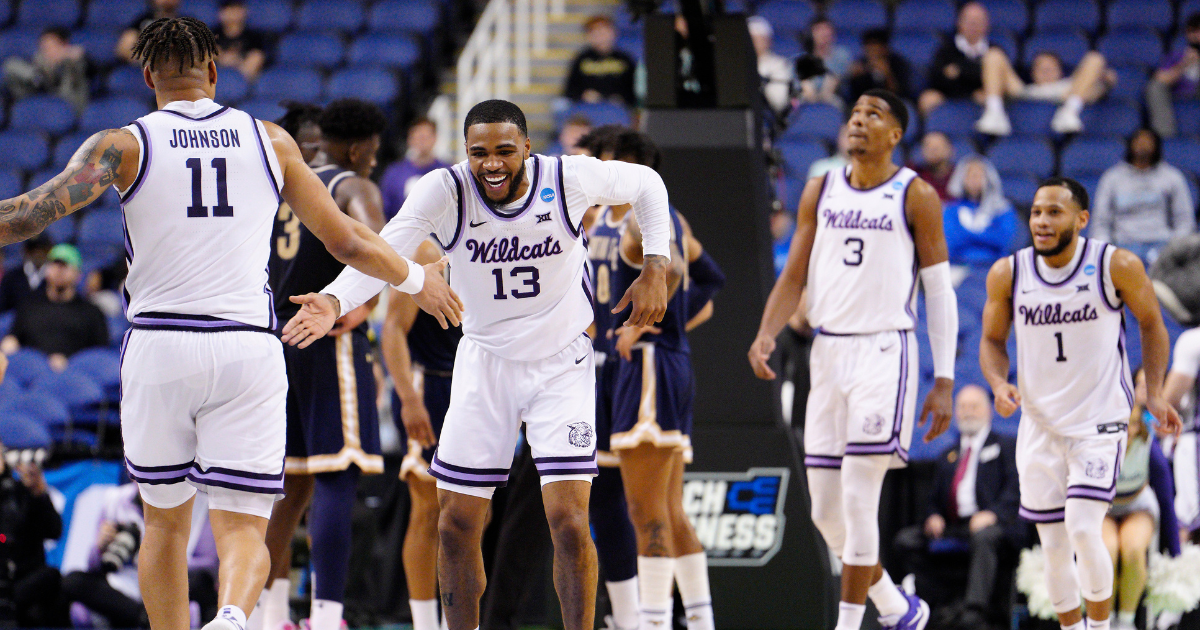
pixel 606 384
pixel 436 388
pixel 652 403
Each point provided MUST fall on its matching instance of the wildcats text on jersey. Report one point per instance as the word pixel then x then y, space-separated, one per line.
pixel 1051 314
pixel 853 220
pixel 511 250
pixel 738 517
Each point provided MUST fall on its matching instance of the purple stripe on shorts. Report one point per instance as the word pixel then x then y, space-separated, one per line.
pixel 902 387
pixel 544 467
pixel 822 461
pixel 234 485
pixel 553 460
pixel 174 471
pixel 553 471
pixel 479 477
pixel 886 448
pixel 1042 516
pixel 1089 492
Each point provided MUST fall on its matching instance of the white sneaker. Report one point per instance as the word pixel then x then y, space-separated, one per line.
pixel 994 122
pixel 1066 121
pixel 221 623
pixel 909 584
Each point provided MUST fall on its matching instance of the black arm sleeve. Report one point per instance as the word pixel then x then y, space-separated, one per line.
pixel 707 279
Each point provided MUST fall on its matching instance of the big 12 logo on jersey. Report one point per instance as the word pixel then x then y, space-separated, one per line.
pixel 738 516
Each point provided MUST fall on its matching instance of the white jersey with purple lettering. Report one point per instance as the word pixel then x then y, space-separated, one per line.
pixel 1072 370
pixel 862 273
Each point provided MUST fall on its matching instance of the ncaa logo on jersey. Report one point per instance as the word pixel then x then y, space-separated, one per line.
pixel 1096 468
pixel 1089 270
pixel 738 517
pixel 897 185
pixel 581 434
pixel 547 195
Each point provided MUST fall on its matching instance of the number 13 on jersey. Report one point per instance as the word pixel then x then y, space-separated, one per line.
pixel 525 278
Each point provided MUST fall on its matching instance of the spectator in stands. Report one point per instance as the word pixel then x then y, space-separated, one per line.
pixel 822 42
pixel 58 321
pixel 158 9
pixel 879 67
pixel 973 508
pixel 937 162
pixel 572 131
pixel 1142 202
pixel 418 160
pixel 1177 78
pixel 58 67
pixel 835 161
pixel 1090 80
pixel 980 223
pixel 27 520
pixel 241 48
pixel 20 282
pixel 776 71
pixel 600 72
pixel 957 68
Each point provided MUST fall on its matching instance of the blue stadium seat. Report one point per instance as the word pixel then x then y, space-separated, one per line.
pixel 65 148
pixel 1019 189
pixel 100 43
pixel 117 326
pixel 271 16
pixel 342 15
pixel 11 183
pixel 1183 153
pixel 409 16
pixel 370 84
pixel 1031 118
pixel 814 121
pixel 1088 157
pixel 203 10
pixel 46 410
pixel 918 47
pixel 50 114
pixel 102 227
pixel 1022 156
pixel 23 149
pixel 282 83
pixel 963 146
pixel 21 431
pixel 1131 82
pixel 75 389
pixel 1009 15
pixel 924 15
pixel 1186 8
pixel 6 12
pixel 6 321
pixel 1004 40
pixel 232 87
pixel 630 42
pixel 1131 47
pixel 62 230
pixel 21 42
pixel 798 155
pixel 263 109
pixel 1155 14
pixel 1070 46
pixel 111 112
pixel 1187 118
pixel 26 366
pixel 104 366
pixel 1066 14
pixel 857 15
pixel 126 80
pixel 787 17
pixel 113 14
pixel 387 49
pixel 1112 118
pixel 598 113
pixel 789 191
pixel 308 50
pixel 953 118
pixel 42 14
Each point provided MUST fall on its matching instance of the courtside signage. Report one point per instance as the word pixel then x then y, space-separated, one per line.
pixel 738 516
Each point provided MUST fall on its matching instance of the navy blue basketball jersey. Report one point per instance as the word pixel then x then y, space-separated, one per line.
pixel 674 323
pixel 431 345
pixel 299 262
pixel 604 245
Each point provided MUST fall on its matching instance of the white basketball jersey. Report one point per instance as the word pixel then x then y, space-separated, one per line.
pixel 198 219
pixel 1072 371
pixel 522 273
pixel 862 273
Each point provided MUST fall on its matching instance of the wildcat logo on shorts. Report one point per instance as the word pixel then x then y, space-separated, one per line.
pixel 581 435
pixel 1096 468
pixel 738 516
pixel 873 425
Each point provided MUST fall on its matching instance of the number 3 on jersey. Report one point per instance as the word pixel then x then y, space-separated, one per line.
pixel 857 246
pixel 531 281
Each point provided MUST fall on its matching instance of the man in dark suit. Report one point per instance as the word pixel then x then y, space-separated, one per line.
pixel 973 509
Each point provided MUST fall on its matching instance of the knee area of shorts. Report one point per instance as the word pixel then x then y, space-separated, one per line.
pixel 242 502
pixel 166 495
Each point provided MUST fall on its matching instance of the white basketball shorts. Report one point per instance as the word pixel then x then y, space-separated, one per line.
pixel 863 397
pixel 491 396
pixel 206 408
pixel 1053 468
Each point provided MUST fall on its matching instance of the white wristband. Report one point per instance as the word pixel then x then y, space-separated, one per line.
pixel 415 280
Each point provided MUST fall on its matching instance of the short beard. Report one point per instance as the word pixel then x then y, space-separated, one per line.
pixel 513 187
pixel 1064 241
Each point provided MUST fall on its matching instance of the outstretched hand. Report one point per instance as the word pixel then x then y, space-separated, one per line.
pixel 437 298
pixel 316 317
pixel 648 294
pixel 1168 418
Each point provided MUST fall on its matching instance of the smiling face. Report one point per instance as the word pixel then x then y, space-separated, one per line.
pixel 871 129
pixel 1055 219
pixel 496 153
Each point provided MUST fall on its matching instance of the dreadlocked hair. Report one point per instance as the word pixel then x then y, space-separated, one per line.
pixel 297 115
pixel 185 39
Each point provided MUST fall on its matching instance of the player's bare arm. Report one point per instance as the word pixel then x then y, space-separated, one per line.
pixel 1134 287
pixel 1176 386
pixel 993 345
pixel 401 313
pixel 106 159
pixel 785 296
pixel 924 210
pixel 363 202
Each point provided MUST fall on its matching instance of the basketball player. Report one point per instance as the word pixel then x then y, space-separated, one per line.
pixel 333 424
pixel 202 377
pixel 419 355
pixel 510 224
pixel 862 233
pixel 1066 297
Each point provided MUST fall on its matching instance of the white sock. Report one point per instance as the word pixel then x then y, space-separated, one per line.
pixel 424 613
pixel 275 609
pixel 887 598
pixel 325 614
pixel 655 581
pixel 1078 625
pixel 994 103
pixel 1073 104
pixel 254 620
pixel 233 614
pixel 1125 619
pixel 1098 624
pixel 850 616
pixel 623 596
pixel 445 625
pixel 691 574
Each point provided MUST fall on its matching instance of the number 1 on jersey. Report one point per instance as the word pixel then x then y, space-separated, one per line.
pixel 198 209
pixel 1061 357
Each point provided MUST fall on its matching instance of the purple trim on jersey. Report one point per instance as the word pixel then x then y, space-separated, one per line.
pixel 273 321
pixel 1100 283
pixel 191 323
pixel 464 476
pixel 846 178
pixel 822 461
pixel 912 291
pixel 824 185
pixel 262 150
pixel 458 229
pixel 1012 290
pixel 157 475
pixel 121 361
pixel 532 192
pixel 143 167
pixel 1056 515
pixel 205 117
pixel 1124 363
pixel 125 237
pixel 902 387
pixel 904 215
pixel 823 331
pixel 562 203
pixel 1074 272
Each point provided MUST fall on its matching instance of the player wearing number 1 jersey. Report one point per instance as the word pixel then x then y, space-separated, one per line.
pixel 202 380
pixel 1065 297
pixel 862 233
